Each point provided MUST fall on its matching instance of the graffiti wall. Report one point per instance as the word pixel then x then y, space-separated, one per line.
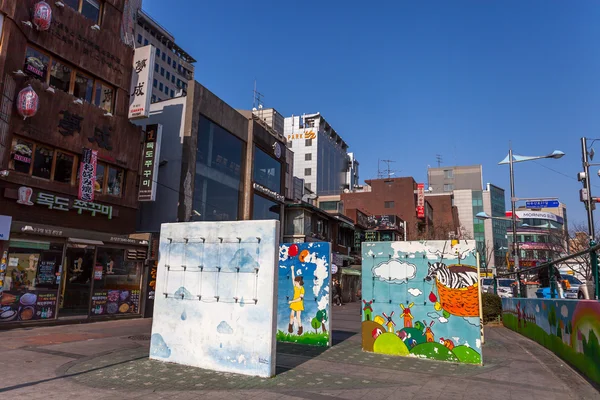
pixel 420 299
pixel 569 328
pixel 215 300
pixel 303 294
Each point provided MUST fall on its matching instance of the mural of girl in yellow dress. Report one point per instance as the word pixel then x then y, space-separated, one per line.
pixel 297 303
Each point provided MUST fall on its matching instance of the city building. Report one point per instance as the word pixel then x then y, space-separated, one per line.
pixel 216 163
pixel 541 235
pixel 398 197
pixel 69 172
pixel 495 245
pixel 320 154
pixel 446 214
pixel 352 176
pixel 447 179
pixel 173 68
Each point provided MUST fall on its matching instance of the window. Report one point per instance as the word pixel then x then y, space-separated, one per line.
pixel 104 96
pixel 178 82
pixel 115 181
pixel 91 9
pixel 84 87
pixel 22 155
pixel 60 76
pixel 389 204
pixel 63 171
pixel 329 205
pixel 154 98
pixel 155 67
pixel 166 90
pixel 308 142
pixel 155 83
pixel 169 60
pixel 448 187
pixel 265 209
pixel 33 266
pixel 172 78
pixel 162 71
pixel 448 173
pixel 308 186
pixel 88 8
pixel 139 38
pixel 308 157
pixel 168 75
pixel 174 64
pixel 157 52
pixel 267 170
pixel 36 63
pixel 307 172
pixel 42 162
pixel 172 93
pixel 164 56
pixel 160 86
pixel 145 42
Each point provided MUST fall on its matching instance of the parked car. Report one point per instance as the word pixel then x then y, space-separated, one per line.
pixel 487 285
pixel 578 289
pixel 505 287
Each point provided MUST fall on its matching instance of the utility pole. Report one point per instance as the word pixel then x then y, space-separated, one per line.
pixel 438 158
pixel 586 197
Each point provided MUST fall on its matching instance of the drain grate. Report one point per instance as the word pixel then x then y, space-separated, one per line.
pixel 139 337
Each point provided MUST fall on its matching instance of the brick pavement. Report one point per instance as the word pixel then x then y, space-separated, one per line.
pixel 99 360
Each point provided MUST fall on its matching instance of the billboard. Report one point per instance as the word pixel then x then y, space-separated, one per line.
pixel 150 161
pixel 141 82
pixel 420 200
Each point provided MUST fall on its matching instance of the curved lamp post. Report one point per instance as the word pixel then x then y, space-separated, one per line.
pixel 510 160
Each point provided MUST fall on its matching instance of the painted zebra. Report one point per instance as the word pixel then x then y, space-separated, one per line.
pixel 449 278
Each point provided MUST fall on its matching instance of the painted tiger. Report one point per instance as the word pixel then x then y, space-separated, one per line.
pixel 449 278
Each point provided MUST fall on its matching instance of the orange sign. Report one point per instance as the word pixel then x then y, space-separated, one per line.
pixel 306 135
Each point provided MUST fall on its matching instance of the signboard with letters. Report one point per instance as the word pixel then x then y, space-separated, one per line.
pixel 421 200
pixel 150 161
pixel 539 215
pixel 141 82
pixel 87 175
pixel 59 203
pixel 5 222
pixel 542 204
pixel 268 192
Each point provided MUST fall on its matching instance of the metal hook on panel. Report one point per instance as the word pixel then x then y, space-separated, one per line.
pixel 184 267
pixel 390 256
pixel 199 297
pixel 236 299
pixel 218 269
pixel 182 295
pixel 237 269
pixel 166 295
pixel 217 297
pixel 168 267
pixel 287 298
pixel 203 240
pixel 201 267
pixel 239 239
pixel 257 238
pixel 170 240
pixel 186 240
pixel 221 239
pixel 424 256
pixel 255 301
pixel 256 270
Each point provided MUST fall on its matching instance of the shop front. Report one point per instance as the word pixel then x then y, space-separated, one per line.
pixel 50 273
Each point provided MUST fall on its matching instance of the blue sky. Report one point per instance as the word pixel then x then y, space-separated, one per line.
pixel 408 80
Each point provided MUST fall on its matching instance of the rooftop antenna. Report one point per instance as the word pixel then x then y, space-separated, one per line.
pixel 257 101
pixel 438 158
pixel 386 172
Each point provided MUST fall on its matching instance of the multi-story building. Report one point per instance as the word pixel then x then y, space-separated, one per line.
pixel 217 163
pixel 320 154
pixel 173 68
pixel 69 172
pixel 447 179
pixel 495 245
pixel 352 175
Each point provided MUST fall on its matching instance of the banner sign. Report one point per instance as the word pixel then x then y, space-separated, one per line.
pixel 141 82
pixel 87 175
pixel 150 161
pixel 421 200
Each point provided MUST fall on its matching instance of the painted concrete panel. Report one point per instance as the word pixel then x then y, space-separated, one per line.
pixel 215 305
pixel 569 328
pixel 420 299
pixel 304 299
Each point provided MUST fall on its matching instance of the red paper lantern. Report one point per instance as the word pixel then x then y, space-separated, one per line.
pixel 27 102
pixel 42 16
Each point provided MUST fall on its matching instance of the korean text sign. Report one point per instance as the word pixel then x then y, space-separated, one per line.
pixel 141 81
pixel 149 168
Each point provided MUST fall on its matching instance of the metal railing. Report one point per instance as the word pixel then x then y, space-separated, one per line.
pixel 524 272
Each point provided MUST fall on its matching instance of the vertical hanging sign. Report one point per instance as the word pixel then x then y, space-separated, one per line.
pixel 87 175
pixel 141 78
pixel 420 200
pixel 149 168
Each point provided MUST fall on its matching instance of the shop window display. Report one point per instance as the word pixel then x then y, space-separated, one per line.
pixel 117 283
pixel 30 281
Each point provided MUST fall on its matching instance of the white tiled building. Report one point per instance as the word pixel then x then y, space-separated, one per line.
pixel 173 68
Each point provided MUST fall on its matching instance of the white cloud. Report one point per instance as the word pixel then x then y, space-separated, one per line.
pixel 456 339
pixel 323 302
pixel 478 343
pixel 283 253
pixel 564 311
pixel 440 318
pixel 434 249
pixel 395 271
pixel 415 292
pixel 321 271
pixel 443 320
pixel 370 253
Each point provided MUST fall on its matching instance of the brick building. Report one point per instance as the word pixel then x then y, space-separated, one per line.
pixel 66 252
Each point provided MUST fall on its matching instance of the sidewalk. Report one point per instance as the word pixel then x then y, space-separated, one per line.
pixel 110 359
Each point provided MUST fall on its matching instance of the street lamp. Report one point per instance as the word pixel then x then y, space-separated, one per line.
pixel 510 160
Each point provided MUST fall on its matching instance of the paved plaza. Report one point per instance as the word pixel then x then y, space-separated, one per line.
pixel 110 359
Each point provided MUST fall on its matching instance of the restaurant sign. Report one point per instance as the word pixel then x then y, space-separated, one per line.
pixel 421 200
pixel 141 80
pixel 87 175
pixel 268 192
pixel 149 169
pixel 59 203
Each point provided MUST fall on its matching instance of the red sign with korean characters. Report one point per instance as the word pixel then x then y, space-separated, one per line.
pixel 420 200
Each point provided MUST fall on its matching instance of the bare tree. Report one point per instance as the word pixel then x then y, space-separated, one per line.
pixel 439 231
pixel 578 240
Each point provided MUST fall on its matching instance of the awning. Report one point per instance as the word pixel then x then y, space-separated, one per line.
pixel 348 271
pixel 85 241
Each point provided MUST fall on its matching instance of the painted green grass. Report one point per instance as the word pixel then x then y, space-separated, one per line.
pixel 311 338
pixel 434 351
pixel 467 355
pixel 587 365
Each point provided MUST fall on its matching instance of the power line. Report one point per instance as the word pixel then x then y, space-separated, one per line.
pixel 560 173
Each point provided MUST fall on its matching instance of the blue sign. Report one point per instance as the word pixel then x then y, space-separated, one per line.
pixel 542 204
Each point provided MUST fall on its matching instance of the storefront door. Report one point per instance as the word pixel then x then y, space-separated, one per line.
pixel 77 281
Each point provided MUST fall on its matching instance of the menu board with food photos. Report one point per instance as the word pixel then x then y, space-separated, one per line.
pixel 27 306
pixel 111 302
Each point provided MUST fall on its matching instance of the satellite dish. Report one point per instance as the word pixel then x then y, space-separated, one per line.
pixel 346 191
pixel 253 108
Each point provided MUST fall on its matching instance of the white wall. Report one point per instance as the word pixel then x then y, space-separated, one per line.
pixel 219 320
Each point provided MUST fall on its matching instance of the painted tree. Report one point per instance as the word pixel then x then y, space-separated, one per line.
pixel 315 324
pixel 322 318
pixel 552 316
